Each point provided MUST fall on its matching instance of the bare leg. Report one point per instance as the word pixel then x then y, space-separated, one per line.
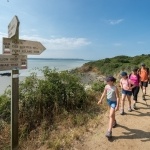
pixel 144 90
pixel 111 118
pixel 122 101
pixel 129 100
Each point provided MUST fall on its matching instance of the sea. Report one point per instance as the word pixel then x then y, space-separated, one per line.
pixel 35 64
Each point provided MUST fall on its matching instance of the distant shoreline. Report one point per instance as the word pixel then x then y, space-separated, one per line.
pixel 57 59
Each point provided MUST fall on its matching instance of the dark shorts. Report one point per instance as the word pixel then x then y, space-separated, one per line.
pixel 145 84
pixel 125 92
pixel 112 103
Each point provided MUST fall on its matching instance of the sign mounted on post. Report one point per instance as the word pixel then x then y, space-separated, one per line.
pixel 9 62
pixel 13 27
pixel 18 60
pixel 23 47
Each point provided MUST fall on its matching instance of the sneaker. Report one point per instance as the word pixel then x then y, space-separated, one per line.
pixel 134 106
pixel 143 97
pixel 129 109
pixel 122 112
pixel 114 124
pixel 109 134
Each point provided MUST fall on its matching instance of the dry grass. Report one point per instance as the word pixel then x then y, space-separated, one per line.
pixel 67 128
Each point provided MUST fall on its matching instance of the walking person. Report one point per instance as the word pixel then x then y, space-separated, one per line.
pixel 144 77
pixel 126 86
pixel 135 79
pixel 113 101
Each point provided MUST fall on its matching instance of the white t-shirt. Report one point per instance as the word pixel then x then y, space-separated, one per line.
pixel 111 92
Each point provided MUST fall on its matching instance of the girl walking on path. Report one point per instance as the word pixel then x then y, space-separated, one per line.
pixel 113 101
pixel 135 79
pixel 126 86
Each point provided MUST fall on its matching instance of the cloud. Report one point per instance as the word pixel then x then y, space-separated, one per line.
pixel 117 44
pixel 3 34
pixel 53 43
pixel 140 42
pixel 62 43
pixel 115 22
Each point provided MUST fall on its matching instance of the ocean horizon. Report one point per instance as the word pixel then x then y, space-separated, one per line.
pixel 59 64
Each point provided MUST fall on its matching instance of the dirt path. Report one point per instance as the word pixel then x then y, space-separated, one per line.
pixel 132 132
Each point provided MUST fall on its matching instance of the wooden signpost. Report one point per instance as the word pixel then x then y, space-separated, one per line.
pixel 13 28
pixel 14 57
pixel 23 47
pixel 7 62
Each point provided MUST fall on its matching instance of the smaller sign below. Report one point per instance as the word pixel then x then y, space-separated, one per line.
pixel 13 27
pixel 9 62
pixel 23 47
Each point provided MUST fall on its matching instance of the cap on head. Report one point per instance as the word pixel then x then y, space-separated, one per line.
pixel 123 74
pixel 110 78
pixel 142 64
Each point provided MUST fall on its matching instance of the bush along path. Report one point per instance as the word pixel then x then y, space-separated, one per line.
pixel 131 133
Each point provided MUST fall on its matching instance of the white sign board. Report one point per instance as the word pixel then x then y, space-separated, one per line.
pixel 9 62
pixel 23 47
pixel 13 27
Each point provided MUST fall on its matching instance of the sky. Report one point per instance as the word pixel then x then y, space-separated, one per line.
pixel 86 29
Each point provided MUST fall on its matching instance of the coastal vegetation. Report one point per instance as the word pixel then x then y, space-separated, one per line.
pixel 112 66
pixel 57 109
pixel 54 107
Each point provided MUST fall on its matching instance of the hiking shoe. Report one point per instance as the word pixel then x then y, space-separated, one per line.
pixel 129 109
pixel 109 134
pixel 122 112
pixel 114 124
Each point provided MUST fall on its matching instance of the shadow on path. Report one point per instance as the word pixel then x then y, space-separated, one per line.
pixel 132 134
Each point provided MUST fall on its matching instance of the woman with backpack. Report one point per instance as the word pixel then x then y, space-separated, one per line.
pixel 135 79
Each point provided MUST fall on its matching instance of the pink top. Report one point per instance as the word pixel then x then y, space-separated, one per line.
pixel 126 84
pixel 134 79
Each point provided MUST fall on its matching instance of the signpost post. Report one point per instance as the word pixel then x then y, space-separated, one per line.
pixel 13 33
pixel 14 57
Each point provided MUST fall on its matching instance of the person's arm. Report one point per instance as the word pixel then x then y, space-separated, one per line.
pixel 121 84
pixel 148 75
pixel 131 84
pixel 118 99
pixel 102 97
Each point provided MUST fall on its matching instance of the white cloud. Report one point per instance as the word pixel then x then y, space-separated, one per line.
pixel 62 43
pixel 114 22
pixel 3 34
pixel 140 42
pixel 54 43
pixel 117 44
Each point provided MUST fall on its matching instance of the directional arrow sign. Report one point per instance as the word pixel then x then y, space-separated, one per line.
pixel 13 27
pixel 23 47
pixel 9 62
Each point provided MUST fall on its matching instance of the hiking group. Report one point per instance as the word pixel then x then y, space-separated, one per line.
pixel 130 86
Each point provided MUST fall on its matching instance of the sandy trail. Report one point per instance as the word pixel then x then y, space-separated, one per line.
pixel 131 133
